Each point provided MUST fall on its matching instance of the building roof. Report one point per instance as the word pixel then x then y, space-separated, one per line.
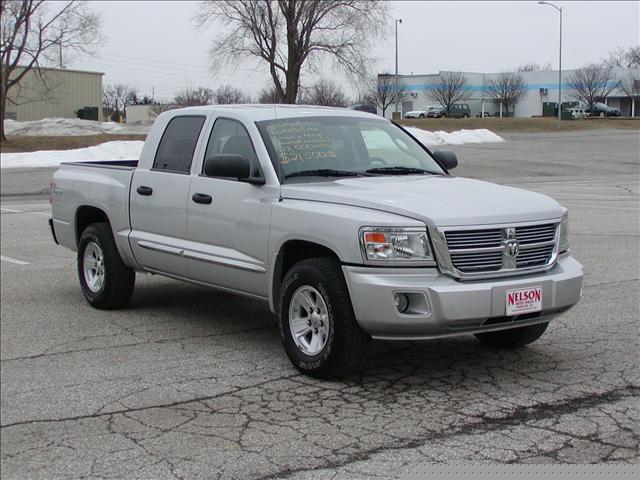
pixel 71 70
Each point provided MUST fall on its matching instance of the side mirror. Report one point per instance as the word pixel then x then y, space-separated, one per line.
pixel 229 165
pixel 446 158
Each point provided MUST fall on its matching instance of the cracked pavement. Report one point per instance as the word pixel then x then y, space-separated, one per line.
pixel 188 382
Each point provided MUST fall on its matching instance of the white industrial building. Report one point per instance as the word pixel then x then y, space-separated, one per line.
pixel 541 87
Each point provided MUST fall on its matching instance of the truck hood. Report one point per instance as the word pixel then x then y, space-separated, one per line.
pixel 436 200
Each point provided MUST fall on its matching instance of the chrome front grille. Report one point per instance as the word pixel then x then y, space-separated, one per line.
pixel 509 249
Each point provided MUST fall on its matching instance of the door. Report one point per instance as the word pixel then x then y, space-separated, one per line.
pixel 406 107
pixel 159 199
pixel 228 220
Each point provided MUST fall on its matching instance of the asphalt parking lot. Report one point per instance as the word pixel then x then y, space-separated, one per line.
pixel 188 382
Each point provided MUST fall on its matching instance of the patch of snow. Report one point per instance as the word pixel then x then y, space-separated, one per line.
pixel 52 158
pixel 59 127
pixel 459 137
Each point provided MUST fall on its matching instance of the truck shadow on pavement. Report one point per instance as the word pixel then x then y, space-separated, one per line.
pixel 191 310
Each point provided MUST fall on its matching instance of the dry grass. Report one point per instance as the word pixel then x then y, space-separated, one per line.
pixel 521 124
pixel 31 144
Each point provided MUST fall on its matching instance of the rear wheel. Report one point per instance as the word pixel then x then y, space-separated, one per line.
pixel 513 338
pixel 106 282
pixel 318 327
pixel 421 116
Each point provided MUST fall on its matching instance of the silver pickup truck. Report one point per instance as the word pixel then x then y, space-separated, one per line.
pixel 347 225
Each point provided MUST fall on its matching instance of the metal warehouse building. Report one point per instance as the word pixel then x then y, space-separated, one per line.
pixel 541 87
pixel 56 93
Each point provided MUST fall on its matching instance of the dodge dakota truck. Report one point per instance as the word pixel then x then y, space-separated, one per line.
pixel 347 225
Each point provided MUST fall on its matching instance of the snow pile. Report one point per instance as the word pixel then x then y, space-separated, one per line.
pixel 53 158
pixel 459 137
pixel 59 127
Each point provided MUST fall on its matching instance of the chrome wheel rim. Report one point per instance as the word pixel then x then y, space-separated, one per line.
pixel 93 267
pixel 308 320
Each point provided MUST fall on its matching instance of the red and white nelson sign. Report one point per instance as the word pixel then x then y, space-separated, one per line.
pixel 524 300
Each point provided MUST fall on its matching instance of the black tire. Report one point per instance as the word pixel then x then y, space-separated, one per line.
pixel 513 338
pixel 119 279
pixel 421 116
pixel 465 116
pixel 346 344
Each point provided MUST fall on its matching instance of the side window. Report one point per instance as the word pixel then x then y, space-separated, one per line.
pixel 230 136
pixel 178 143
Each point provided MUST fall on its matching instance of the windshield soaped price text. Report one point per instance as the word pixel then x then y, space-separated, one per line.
pixel 296 142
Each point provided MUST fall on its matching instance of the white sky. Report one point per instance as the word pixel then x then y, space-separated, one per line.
pixel 155 45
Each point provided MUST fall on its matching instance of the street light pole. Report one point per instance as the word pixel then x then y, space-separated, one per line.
pixel 559 9
pixel 398 20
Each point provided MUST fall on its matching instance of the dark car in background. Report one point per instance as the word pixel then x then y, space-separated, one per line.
pixel 457 110
pixel 362 107
pixel 600 108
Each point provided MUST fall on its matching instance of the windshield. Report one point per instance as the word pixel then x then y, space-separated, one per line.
pixel 343 146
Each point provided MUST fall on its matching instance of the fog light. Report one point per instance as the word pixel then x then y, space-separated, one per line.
pixel 402 302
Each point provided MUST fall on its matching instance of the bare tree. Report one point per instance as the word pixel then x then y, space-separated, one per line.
pixel 228 94
pixel 507 89
pixel 326 93
pixel 289 34
pixel 534 67
pixel 450 88
pixel 116 98
pixel 382 92
pixel 621 58
pixel 592 83
pixel 190 97
pixel 34 33
pixel 629 83
pixel 269 95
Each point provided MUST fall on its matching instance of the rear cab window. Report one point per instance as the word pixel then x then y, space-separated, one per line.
pixel 178 144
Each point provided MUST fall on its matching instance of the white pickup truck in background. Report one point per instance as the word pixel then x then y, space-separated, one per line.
pixel 341 220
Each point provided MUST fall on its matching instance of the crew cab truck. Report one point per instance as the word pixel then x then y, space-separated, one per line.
pixel 341 220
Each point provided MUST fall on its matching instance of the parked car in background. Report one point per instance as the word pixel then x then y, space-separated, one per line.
pixel 420 113
pixel 363 107
pixel 459 110
pixel 437 112
pixel 600 108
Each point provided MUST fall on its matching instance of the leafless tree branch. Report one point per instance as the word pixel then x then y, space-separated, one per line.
pixel 34 32
pixel 289 34
pixel 450 88
pixel 508 88
pixel 592 83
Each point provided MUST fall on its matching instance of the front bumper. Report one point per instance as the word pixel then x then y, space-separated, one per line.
pixel 453 307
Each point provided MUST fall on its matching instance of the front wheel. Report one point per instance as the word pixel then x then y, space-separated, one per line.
pixel 318 327
pixel 106 282
pixel 421 116
pixel 514 337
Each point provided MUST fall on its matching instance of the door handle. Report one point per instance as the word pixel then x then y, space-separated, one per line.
pixel 202 198
pixel 142 190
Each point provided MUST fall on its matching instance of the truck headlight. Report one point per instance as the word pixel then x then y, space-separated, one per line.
pixel 395 245
pixel 564 233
